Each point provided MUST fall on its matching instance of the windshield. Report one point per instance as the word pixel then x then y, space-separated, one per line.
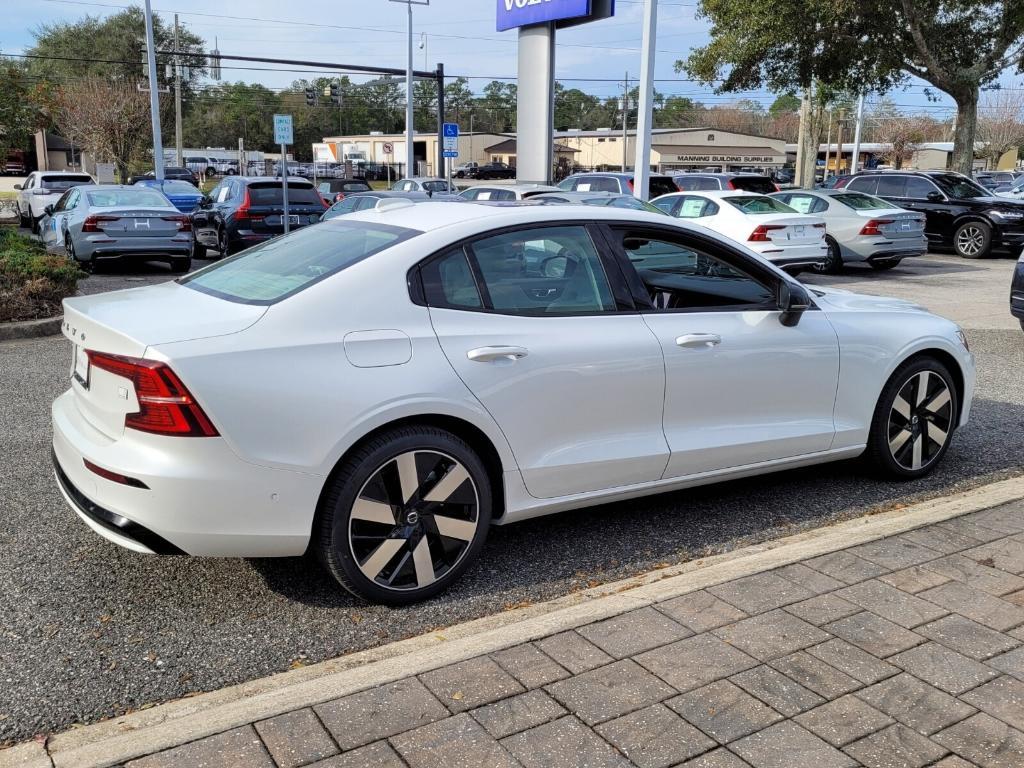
pixel 959 187
pixel 755 204
pixel 180 188
pixel 279 268
pixel 269 193
pixel 860 202
pixel 435 186
pixel 61 183
pixel 122 198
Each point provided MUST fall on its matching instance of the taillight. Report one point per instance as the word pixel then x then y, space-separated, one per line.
pixel 92 223
pixel 873 227
pixel 184 222
pixel 242 212
pixel 730 185
pixel 166 407
pixel 760 233
pixel 630 183
pixel 339 196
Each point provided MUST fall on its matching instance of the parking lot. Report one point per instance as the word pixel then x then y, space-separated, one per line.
pixel 91 630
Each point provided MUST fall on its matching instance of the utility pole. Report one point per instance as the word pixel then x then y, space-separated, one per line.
pixel 177 97
pixel 828 144
pixel 154 98
pixel 625 113
pixel 839 142
pixel 805 154
pixel 645 107
pixel 855 159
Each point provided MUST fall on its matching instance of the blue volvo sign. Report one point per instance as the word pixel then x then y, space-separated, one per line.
pixel 520 13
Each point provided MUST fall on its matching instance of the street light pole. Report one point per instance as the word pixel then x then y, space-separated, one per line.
pixel 645 107
pixel 177 96
pixel 410 157
pixel 154 97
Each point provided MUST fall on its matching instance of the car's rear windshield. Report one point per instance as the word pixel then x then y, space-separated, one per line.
pixel 355 186
pixel 623 201
pixel 756 204
pixel 760 184
pixel 279 268
pixel 61 183
pixel 663 185
pixel 435 186
pixel 179 188
pixel 270 193
pixel 119 198
pixel 860 202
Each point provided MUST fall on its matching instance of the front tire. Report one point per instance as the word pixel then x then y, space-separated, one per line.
pixel 405 515
pixel 23 220
pixel 914 420
pixel 973 240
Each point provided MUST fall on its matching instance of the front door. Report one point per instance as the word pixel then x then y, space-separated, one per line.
pixel 533 326
pixel 741 387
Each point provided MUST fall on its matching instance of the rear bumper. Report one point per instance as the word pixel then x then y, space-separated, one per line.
pixel 200 499
pixel 881 249
pixel 87 249
pixel 793 255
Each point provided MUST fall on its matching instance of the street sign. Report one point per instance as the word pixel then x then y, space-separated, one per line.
pixel 283 129
pixel 389 148
pixel 521 13
pixel 450 153
pixel 450 137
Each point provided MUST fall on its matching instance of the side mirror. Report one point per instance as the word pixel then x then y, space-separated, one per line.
pixel 48 210
pixel 17 186
pixel 935 197
pixel 793 300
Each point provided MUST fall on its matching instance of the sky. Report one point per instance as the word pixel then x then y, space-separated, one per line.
pixel 461 33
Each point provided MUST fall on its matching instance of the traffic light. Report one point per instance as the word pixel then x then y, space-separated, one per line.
pixel 336 94
pixel 310 97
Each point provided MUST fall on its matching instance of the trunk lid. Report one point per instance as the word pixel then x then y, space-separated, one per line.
pixel 897 223
pixel 126 323
pixel 264 213
pixel 785 229
pixel 121 223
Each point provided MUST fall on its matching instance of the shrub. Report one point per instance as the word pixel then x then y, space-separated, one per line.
pixel 32 282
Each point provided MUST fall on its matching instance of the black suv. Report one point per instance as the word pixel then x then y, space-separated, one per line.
pixel 748 182
pixel 959 213
pixel 492 171
pixel 243 211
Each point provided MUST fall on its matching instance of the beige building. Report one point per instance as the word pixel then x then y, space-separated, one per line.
pixel 373 148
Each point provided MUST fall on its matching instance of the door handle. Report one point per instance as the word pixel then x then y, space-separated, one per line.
pixel 698 340
pixel 490 354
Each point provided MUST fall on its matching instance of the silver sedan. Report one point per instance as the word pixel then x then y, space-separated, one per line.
pixel 860 227
pixel 94 222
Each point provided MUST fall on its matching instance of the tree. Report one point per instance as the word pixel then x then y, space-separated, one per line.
pixel 1000 128
pixel 21 106
pixel 221 114
pixel 458 101
pixel 784 104
pixel 958 46
pixel 497 109
pixel 107 118
pixel 678 112
pixel 574 109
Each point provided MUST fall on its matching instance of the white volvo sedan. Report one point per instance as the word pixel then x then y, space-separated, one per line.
pixel 790 239
pixel 382 387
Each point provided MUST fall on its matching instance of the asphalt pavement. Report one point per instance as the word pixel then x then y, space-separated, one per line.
pixel 89 630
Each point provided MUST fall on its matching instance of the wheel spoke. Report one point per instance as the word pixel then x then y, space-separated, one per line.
pixel 938 401
pixel 407 476
pixel 902 407
pixel 922 386
pixel 916 455
pixel 423 563
pixel 448 484
pixel 381 556
pixel 454 528
pixel 937 434
pixel 897 443
pixel 373 511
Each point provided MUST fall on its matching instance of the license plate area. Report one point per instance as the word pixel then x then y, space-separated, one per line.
pixel 80 365
pixel 798 231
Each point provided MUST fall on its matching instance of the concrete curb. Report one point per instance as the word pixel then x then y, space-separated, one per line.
pixel 141 733
pixel 30 329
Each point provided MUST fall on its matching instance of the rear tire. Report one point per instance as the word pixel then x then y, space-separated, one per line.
pixel 911 429
pixel 380 523
pixel 973 240
pixel 23 220
pixel 833 263
pixel 881 266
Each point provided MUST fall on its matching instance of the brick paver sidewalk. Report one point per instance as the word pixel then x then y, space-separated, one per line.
pixel 907 651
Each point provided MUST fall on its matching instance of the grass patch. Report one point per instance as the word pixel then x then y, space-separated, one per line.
pixel 32 282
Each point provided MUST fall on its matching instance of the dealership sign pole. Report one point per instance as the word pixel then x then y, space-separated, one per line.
pixel 645 112
pixel 537 23
pixel 154 98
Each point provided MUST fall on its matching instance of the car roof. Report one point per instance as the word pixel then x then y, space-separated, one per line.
pixel 63 173
pixel 719 193
pixel 420 178
pixel 715 175
pixel 616 174
pixel 400 193
pixel 578 195
pixel 515 187
pixel 291 179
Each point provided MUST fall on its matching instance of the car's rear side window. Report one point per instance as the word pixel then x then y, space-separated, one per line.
pixel 279 268
pixel 760 184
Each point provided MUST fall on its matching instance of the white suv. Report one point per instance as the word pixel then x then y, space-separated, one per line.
pixel 42 188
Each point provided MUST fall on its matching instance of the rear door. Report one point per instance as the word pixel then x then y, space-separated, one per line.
pixel 921 195
pixel 536 323
pixel 266 206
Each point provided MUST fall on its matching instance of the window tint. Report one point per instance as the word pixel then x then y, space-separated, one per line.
pixel 62 204
pixel 547 270
pixel 958 187
pixel 891 186
pixel 866 184
pixel 919 188
pixel 624 201
pixel 435 186
pixel 367 201
pixel 760 184
pixel 661 185
pixel 448 282
pixel 696 207
pixel 755 204
pixel 341 207
pixel 270 193
pixel 804 203
pixel 666 204
pixel 694 183
pixel 598 184
pixel 861 202
pixel 278 268
pixel 568 184
pixel 179 188
pixel 684 278
pixel 60 183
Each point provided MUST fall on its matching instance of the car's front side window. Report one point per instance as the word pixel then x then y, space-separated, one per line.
pixel 679 276
pixel 537 271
